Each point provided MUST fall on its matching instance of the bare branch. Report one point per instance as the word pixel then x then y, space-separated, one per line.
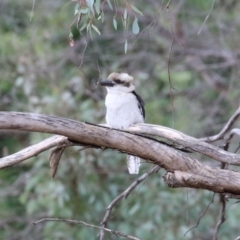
pixel 205 20
pixel 221 218
pixel 187 142
pixel 183 170
pixel 201 215
pixel 225 129
pixel 124 194
pixel 31 151
pixel 87 225
pixel 235 131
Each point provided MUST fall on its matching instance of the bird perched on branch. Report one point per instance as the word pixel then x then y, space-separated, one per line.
pixel 124 108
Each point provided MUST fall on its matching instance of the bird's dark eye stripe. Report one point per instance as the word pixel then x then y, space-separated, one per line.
pixel 118 81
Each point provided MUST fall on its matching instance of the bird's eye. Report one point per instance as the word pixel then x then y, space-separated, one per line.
pixel 118 81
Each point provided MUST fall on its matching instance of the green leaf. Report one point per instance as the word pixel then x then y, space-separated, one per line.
pixel 125 18
pixel 136 10
pixel 97 6
pixel 70 34
pixel 84 10
pixel 126 46
pixel 115 23
pixel 102 17
pixel 135 26
pixel 83 26
pixel 125 14
pixel 89 30
pixel 110 4
pixel 76 9
pixel 90 3
pixel 96 29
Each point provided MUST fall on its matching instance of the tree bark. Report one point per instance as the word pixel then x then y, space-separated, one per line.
pixel 183 170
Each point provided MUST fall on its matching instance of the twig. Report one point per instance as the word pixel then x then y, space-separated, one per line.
pixel 87 225
pixel 31 16
pixel 168 62
pixel 205 20
pixel 169 58
pixel 124 194
pixel 225 129
pixel 221 218
pixel 235 131
pixel 86 45
pixel 202 214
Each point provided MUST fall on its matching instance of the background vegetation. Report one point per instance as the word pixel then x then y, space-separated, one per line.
pixel 41 73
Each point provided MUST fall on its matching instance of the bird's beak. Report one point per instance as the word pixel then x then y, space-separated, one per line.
pixel 106 83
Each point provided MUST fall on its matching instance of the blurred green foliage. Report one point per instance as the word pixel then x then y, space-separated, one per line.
pixel 41 73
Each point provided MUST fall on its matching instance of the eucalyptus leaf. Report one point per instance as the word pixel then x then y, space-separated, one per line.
pixel 110 4
pixel 136 10
pixel 125 18
pixel 115 23
pixel 96 29
pixel 90 3
pixel 76 9
pixel 90 32
pixel 84 10
pixel 102 17
pixel 135 26
pixel 97 6
pixel 126 46
pixel 125 14
pixel 83 26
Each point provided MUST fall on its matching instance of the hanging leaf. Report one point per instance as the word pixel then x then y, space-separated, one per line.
pixel 135 26
pixel 125 14
pixel 70 34
pixel 115 23
pixel 84 10
pixel 126 46
pixel 96 29
pixel 125 18
pixel 136 10
pixel 110 4
pixel 76 9
pixel 102 17
pixel 97 6
pixel 90 4
pixel 83 26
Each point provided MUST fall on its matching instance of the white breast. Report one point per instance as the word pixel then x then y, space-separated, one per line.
pixel 122 110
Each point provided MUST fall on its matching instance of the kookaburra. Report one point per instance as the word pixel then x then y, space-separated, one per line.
pixel 124 108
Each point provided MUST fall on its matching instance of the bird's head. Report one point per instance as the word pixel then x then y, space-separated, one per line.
pixel 118 82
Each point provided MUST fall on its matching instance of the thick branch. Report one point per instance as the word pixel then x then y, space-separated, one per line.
pixel 186 142
pixel 188 171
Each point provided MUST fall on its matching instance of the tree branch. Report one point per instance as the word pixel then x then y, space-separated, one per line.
pixel 180 139
pixel 183 170
pixel 87 225
pixel 225 129
pixel 221 218
pixel 30 151
pixel 124 194
pixel 201 215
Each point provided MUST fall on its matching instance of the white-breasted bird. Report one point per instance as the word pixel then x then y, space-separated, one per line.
pixel 124 108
